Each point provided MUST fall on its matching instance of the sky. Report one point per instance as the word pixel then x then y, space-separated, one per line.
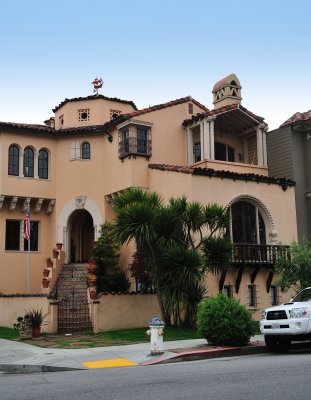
pixel 151 52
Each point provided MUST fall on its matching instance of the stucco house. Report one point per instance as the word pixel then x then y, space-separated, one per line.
pixel 68 171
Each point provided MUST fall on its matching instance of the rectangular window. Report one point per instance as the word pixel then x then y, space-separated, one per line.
pixel 251 291
pixel 13 235
pixel 34 231
pixel 223 152
pixel 134 140
pixel 61 121
pixel 142 137
pixel 227 290
pixel 190 108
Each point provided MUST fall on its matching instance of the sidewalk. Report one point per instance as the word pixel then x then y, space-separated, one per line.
pixel 18 357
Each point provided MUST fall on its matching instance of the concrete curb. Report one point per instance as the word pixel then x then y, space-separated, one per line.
pixel 209 354
pixel 32 369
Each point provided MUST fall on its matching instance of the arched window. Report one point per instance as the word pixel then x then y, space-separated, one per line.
pixel 28 162
pixel 247 224
pixel 86 151
pixel 43 164
pixel 13 165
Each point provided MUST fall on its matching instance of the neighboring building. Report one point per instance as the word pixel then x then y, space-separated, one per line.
pixel 289 155
pixel 69 170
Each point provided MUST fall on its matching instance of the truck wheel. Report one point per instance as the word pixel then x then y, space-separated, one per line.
pixel 277 344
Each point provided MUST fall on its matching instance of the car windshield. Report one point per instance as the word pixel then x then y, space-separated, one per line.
pixel 304 295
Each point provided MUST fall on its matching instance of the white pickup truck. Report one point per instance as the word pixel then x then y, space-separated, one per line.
pixel 287 322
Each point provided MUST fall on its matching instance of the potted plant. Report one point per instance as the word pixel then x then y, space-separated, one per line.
pixel 55 253
pixel 23 325
pixel 45 283
pixel 49 262
pixel 36 318
pixel 59 246
pixel 46 272
pixel 91 279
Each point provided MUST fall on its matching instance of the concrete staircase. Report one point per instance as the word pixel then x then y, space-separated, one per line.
pixel 71 292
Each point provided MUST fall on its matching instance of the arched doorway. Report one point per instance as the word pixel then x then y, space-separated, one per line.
pixel 81 234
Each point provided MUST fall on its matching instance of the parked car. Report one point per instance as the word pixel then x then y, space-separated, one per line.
pixel 287 322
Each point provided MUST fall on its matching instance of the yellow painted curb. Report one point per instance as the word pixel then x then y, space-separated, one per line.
pixel 116 362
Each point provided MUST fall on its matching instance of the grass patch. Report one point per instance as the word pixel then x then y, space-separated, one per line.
pixel 8 333
pixel 139 335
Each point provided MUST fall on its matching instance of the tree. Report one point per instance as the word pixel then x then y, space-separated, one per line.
pixel 109 277
pixel 171 237
pixel 296 270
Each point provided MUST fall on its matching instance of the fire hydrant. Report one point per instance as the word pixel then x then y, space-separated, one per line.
pixel 156 332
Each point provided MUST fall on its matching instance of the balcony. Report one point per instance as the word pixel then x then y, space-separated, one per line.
pixel 254 256
pixel 258 255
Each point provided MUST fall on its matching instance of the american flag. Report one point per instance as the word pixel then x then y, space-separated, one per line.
pixel 27 226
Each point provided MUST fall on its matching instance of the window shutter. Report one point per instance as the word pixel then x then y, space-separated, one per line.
pixel 75 151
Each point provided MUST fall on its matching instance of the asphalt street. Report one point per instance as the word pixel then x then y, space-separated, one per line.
pixel 262 376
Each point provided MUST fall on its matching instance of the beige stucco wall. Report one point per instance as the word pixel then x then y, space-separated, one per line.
pixel 23 186
pixel 263 299
pixel 99 112
pixel 13 307
pixel 14 264
pixel 123 311
pixel 279 204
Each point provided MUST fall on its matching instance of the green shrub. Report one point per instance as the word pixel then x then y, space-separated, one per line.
pixel 224 321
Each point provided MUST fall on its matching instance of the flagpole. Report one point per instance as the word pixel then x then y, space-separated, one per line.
pixel 27 230
pixel 29 265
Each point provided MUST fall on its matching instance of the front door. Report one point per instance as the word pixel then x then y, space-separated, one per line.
pixel 81 236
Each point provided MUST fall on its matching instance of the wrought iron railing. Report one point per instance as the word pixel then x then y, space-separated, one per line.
pixel 134 146
pixel 258 254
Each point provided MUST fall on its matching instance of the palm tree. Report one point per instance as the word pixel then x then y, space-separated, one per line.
pixel 173 237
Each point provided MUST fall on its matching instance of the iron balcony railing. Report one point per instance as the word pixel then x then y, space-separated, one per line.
pixel 258 254
pixel 134 146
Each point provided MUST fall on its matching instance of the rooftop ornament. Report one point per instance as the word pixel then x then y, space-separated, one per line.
pixel 97 84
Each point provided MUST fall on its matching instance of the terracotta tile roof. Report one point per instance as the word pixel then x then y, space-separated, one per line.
pixel 47 130
pixel 283 182
pixel 298 117
pixel 95 128
pixel 221 83
pixel 166 105
pixel 235 106
pixel 29 127
pixel 93 97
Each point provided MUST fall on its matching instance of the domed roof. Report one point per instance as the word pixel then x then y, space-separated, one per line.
pixel 231 79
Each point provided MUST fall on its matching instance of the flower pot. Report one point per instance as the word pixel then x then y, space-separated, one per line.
pixel 93 295
pixel 36 331
pixel 59 246
pixel 55 254
pixel 49 264
pixel 45 283
pixel 25 333
pixel 46 273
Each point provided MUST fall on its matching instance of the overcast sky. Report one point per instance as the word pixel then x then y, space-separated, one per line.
pixel 153 51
